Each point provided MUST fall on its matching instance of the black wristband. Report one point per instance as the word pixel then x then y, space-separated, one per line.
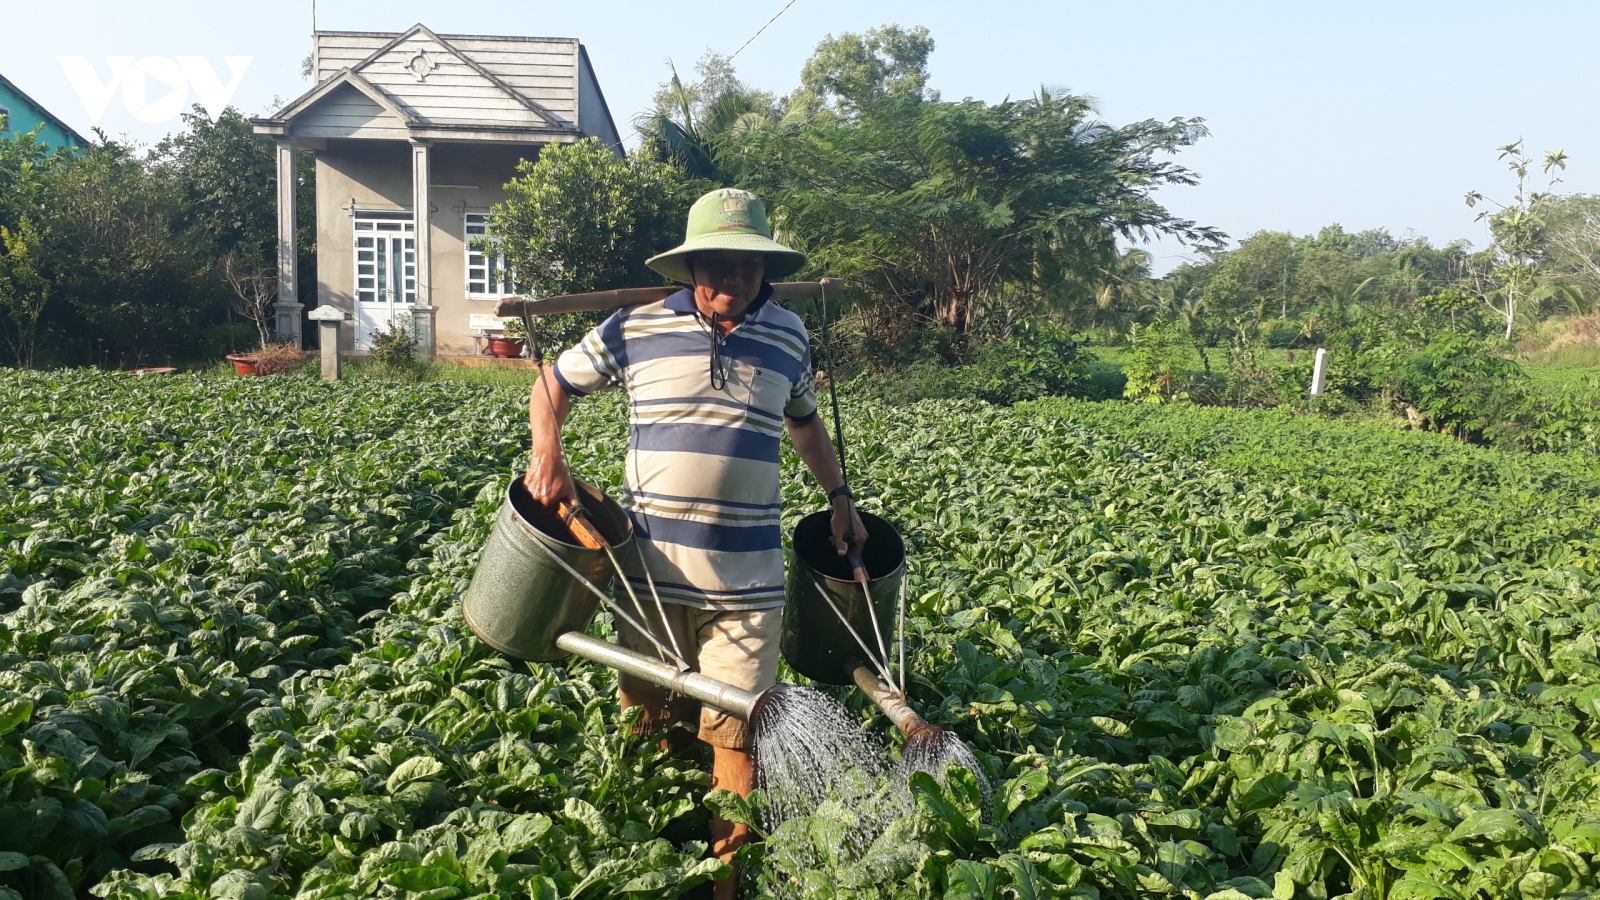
pixel 842 490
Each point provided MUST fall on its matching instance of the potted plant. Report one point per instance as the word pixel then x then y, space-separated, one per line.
pixel 243 363
pixel 510 344
pixel 271 359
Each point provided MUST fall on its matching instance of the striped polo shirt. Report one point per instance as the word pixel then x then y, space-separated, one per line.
pixel 702 468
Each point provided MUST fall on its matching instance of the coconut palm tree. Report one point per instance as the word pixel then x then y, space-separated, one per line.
pixel 695 132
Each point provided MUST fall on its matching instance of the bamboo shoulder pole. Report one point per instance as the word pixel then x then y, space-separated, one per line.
pixel 782 291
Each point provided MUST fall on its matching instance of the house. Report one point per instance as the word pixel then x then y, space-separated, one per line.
pixel 19 114
pixel 414 136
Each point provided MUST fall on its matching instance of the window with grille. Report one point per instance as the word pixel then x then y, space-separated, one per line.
pixel 488 278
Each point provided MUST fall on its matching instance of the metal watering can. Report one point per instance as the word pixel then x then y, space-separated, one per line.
pixel 536 590
pixel 831 633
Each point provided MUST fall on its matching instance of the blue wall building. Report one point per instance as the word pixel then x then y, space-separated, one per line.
pixel 21 114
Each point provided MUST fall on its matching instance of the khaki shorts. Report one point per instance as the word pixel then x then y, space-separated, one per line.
pixel 739 648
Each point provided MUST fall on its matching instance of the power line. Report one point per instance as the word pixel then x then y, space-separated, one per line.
pixel 761 29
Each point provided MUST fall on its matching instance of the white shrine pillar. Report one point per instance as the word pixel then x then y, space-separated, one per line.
pixel 422 313
pixel 1319 373
pixel 328 319
pixel 286 321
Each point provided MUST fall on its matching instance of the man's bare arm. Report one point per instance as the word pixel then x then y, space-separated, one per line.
pixel 548 481
pixel 811 442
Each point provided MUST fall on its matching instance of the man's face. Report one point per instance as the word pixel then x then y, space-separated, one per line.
pixel 726 281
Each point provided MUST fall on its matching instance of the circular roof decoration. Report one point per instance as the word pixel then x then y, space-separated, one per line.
pixel 421 65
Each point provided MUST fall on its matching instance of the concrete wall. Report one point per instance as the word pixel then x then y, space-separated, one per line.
pixel 377 175
pixel 480 172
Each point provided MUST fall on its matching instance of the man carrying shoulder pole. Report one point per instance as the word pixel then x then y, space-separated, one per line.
pixel 715 374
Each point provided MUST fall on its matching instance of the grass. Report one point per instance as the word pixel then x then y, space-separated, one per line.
pixel 1585 355
pixel 422 370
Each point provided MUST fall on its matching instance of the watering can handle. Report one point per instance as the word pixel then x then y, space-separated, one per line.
pixel 859 566
pixel 583 530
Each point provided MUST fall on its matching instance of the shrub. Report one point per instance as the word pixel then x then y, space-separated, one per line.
pixel 1453 383
pixel 1282 334
pixel 1034 361
pixel 278 358
pixel 396 346
pixel 1155 373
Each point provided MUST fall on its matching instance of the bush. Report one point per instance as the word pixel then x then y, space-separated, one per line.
pixel 1156 371
pixel 1282 334
pixel 1454 383
pixel 1034 361
pixel 396 346
pixel 278 358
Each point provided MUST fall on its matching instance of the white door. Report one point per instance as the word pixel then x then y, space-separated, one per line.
pixel 386 273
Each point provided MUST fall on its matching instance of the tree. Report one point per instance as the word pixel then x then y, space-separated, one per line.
pixel 23 291
pixel 134 284
pixel 255 289
pixel 930 204
pixel 1573 232
pixel 228 177
pixel 23 162
pixel 853 73
pixel 581 219
pixel 1255 277
pixel 690 125
pixel 1177 301
pixel 1517 229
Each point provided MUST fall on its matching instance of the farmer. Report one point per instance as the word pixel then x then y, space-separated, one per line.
pixel 714 374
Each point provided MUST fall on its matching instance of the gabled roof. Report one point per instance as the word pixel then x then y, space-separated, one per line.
pixel 39 108
pixel 511 92
pixel 344 77
pixel 451 87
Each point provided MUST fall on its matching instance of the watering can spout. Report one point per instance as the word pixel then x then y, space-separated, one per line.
pixel 891 701
pixel 732 700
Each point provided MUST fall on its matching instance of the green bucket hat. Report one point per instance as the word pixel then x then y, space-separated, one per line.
pixel 728 219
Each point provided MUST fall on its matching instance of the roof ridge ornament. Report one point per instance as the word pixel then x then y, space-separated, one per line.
pixel 421 65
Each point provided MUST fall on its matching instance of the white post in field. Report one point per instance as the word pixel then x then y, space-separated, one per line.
pixel 1319 373
pixel 328 319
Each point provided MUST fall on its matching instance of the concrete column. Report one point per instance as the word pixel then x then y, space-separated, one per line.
pixel 328 319
pixel 287 309
pixel 423 314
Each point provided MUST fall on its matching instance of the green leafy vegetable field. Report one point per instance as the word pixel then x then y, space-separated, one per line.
pixel 232 662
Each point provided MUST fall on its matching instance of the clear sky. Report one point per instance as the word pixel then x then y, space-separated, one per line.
pixel 1363 113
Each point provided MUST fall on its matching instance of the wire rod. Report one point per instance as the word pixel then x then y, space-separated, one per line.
pixel 759 30
pixel 879 665
pixel 833 392
pixel 660 607
pixel 877 631
pixel 616 610
pixel 677 655
pixel 902 634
